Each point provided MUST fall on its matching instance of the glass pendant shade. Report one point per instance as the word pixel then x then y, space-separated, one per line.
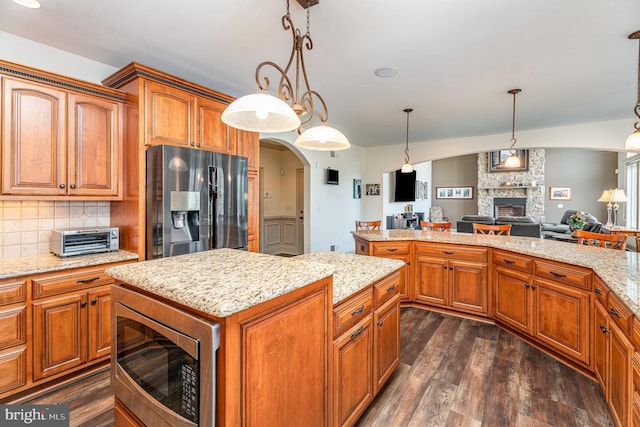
pixel 261 112
pixel 513 161
pixel 633 142
pixel 322 138
pixel 406 168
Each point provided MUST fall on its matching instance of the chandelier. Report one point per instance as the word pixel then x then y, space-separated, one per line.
pixel 296 103
pixel 513 161
pixel 633 142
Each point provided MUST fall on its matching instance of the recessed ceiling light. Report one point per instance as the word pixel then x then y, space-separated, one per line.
pixel 31 4
pixel 386 72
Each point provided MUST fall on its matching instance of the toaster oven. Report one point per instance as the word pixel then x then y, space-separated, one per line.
pixel 82 241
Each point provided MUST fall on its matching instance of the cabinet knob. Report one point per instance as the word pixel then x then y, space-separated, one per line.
pixel 83 303
pixel 61 185
pixel 193 143
pixel 94 301
pixel 533 286
pixel 72 186
pixel 380 322
pixel 444 266
pixel 450 267
pixel 526 285
pixel 198 144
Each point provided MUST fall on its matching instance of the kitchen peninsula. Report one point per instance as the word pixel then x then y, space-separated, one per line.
pixel 288 328
pixel 578 304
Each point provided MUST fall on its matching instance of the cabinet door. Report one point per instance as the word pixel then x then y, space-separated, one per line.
pixel 168 115
pixel 561 316
pixel 253 227
pixel 513 299
pixel 386 341
pixel 99 323
pixel 620 386
pixel 211 132
pixel 59 335
pixel 93 146
pixel 468 286
pixel 33 141
pixel 405 273
pixel 431 275
pixel 353 384
pixel 601 344
pixel 247 145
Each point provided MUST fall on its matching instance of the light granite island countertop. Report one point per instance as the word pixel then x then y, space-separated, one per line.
pixel 47 263
pixel 620 270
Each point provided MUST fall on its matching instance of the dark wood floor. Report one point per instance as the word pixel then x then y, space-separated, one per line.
pixel 457 372
pixel 453 372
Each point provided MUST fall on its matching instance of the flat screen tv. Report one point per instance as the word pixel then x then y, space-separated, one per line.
pixel 405 187
pixel 332 177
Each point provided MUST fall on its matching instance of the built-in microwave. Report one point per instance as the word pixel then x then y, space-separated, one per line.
pixel 163 361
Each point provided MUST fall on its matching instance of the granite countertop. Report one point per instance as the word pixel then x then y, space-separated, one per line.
pixel 353 272
pixel 221 282
pixel 46 263
pixel 619 269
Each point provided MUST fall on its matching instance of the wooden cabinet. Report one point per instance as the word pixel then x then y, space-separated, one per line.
pixel 512 303
pixel 396 250
pixel 366 347
pixel 57 143
pixel 613 359
pixel 253 214
pixel 15 324
pixel 453 277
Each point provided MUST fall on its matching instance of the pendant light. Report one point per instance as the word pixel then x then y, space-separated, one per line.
pixel 295 105
pixel 633 142
pixel 407 168
pixel 513 161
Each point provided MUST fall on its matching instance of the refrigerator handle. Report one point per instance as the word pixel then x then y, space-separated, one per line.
pixel 213 195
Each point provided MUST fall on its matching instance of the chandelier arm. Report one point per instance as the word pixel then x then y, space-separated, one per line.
pixel 307 102
pixel 285 90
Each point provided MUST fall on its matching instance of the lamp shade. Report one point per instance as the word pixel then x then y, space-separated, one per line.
pixel 513 161
pixel 322 138
pixel 406 168
pixel 261 112
pixel 606 196
pixel 633 142
pixel 618 195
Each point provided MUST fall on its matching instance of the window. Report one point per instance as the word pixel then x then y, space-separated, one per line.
pixel 632 190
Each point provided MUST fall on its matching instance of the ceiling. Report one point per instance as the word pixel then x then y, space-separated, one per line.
pixel 456 58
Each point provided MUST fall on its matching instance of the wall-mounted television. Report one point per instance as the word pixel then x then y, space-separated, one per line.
pixel 405 190
pixel 332 176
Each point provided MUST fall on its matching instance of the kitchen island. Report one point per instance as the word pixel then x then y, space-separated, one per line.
pixel 577 303
pixel 276 317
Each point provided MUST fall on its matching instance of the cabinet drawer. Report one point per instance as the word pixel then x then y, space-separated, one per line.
pixel 391 248
pixel 570 276
pixel 13 327
pixel 13 291
pixel 385 289
pixel 13 369
pixel 601 290
pixel 636 375
pixel 512 261
pixel 450 251
pixel 349 312
pixel 54 285
pixel 620 314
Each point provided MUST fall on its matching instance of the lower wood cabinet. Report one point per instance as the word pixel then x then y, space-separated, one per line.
pixel 386 341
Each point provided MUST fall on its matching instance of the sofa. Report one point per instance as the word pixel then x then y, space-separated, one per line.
pixel 562 230
pixel 520 225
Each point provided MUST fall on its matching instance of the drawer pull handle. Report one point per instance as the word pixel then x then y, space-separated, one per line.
pixel 380 322
pixel 392 249
pixel 358 311
pixel 508 261
pixel 558 274
pixel 83 303
pixel 615 313
pixel 390 288
pixel 357 332
pixel 448 252
pixel 597 291
pixel 92 279
pixel 604 329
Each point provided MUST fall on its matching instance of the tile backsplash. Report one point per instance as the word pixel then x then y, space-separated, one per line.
pixel 25 226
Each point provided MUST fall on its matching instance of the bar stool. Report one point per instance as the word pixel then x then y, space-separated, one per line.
pixel 492 229
pixel 435 226
pixel 368 225
pixel 610 241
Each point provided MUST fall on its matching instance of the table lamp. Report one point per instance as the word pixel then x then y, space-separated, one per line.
pixel 606 197
pixel 617 196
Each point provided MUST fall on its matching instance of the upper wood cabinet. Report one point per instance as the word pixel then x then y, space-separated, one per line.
pixel 59 143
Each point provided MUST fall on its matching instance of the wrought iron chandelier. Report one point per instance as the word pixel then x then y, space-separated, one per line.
pixel 513 161
pixel 633 142
pixel 407 168
pixel 296 103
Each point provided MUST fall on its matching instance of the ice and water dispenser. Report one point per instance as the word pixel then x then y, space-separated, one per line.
pixel 185 217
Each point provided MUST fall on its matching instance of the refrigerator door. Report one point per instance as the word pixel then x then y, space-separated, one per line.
pixel 228 201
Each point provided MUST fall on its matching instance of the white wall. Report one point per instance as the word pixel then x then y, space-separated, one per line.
pixel 279 182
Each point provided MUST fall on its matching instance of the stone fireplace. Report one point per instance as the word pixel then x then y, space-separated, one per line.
pixel 509 206
pixel 526 185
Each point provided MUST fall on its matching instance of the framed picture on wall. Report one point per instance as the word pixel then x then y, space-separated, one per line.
pixel 497 158
pixel 372 189
pixel 559 193
pixel 454 192
pixel 357 188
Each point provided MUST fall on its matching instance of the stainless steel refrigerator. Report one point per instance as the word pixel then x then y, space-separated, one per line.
pixel 196 200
